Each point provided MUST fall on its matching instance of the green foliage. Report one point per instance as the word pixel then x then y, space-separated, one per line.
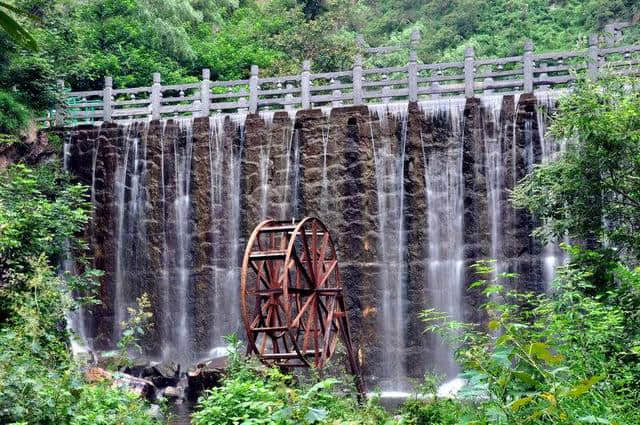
pixel 431 412
pixel 252 396
pixel 140 321
pixel 83 41
pixel 103 405
pixel 39 210
pixel 13 115
pixel 13 28
pixel 41 213
pixel 592 192
pixel 563 359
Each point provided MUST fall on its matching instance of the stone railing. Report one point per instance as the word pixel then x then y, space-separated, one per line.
pixel 471 77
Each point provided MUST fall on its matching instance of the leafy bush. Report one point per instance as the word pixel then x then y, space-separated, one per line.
pixel 591 192
pixel 40 210
pixel 252 396
pixel 546 360
pixel 431 412
pixel 14 116
pixel 103 405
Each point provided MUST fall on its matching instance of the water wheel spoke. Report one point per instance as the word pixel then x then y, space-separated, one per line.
pixel 328 333
pixel 327 274
pixel 308 258
pixel 304 271
pixel 258 270
pixel 296 322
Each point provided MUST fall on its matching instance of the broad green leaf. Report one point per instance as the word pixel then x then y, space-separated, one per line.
pixel 591 419
pixel 584 386
pixel 526 378
pixel 520 403
pixel 315 415
pixel 493 325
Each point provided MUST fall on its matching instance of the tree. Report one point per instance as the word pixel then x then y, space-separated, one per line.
pixel 592 192
pixel 13 28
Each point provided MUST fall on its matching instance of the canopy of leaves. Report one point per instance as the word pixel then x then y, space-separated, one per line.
pixel 592 192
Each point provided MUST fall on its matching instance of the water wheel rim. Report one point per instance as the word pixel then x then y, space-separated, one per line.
pixel 327 343
pixel 243 284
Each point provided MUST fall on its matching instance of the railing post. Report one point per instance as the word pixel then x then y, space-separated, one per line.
pixel 253 89
pixel 107 93
pixel 305 85
pixel 287 97
pixel 610 35
pixel 156 96
pixel 594 58
pixel 468 73
pixel 205 93
pixel 357 80
pixel 527 67
pixel 487 82
pixel 385 91
pixel 412 67
pixel 60 109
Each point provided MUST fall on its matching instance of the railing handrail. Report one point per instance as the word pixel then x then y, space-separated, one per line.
pixel 412 82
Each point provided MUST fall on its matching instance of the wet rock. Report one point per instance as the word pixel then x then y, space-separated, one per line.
pixel 139 386
pixel 206 375
pixel 163 374
pixel 173 393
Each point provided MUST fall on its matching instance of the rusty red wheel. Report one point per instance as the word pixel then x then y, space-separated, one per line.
pixel 292 303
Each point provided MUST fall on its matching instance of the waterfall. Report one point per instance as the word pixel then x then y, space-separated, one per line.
pixel 170 219
pixel 182 209
pixel 552 255
pixel 324 194
pixel 75 320
pixel 264 163
pixel 224 171
pixel 445 210
pixel 389 174
pixel 120 188
pixel 494 163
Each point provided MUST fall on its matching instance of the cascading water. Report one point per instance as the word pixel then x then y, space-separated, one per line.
pixel 389 172
pixel 445 210
pixel 553 256
pixel 120 301
pixel 224 170
pixel 183 154
pixel 324 194
pixel 494 164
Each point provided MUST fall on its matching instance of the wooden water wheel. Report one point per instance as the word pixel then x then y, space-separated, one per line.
pixel 292 301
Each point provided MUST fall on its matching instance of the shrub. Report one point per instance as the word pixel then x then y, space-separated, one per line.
pixel 102 405
pixel 545 359
pixel 252 396
pixel 14 116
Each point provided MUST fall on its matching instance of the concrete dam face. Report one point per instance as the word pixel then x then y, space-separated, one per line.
pixel 413 194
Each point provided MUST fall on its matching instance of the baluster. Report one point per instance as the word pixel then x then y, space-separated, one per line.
pixel 469 73
pixel 156 96
pixel 60 110
pixel 593 67
pixel 305 85
pixel 385 90
pixel 106 99
pixel 254 87
pixel 205 93
pixel 357 80
pixel 288 105
pixel 336 93
pixel 486 83
pixel 412 67
pixel 527 67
